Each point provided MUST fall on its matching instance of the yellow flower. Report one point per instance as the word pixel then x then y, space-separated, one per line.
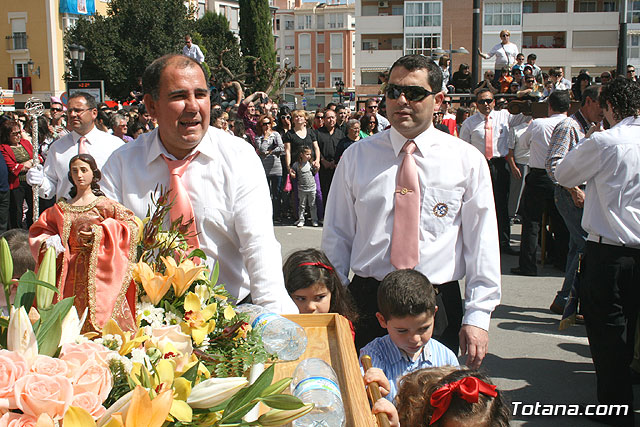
pixel 197 320
pixel 154 284
pixel 183 275
pixel 140 225
pixel 229 313
pixel 128 343
pixel 144 412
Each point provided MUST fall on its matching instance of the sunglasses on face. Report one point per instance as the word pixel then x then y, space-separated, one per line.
pixel 266 123
pixel 319 117
pixel 56 109
pixel 446 102
pixel 485 101
pixel 411 93
pixel 288 117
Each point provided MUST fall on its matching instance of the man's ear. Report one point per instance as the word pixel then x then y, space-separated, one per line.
pixel 149 103
pixel 435 310
pixel 438 98
pixel 380 317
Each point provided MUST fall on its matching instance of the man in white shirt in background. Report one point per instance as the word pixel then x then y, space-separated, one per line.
pixel 609 162
pixel 455 234
pixel 538 193
pixel 224 182
pixel 84 138
pixel 192 50
pixel 371 107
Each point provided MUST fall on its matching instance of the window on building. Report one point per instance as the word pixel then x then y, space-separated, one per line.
pixel 304 22
pixel 544 39
pixel 501 14
pixel 397 9
pixel 305 79
pixel 21 69
pixel 289 42
pixel 18 33
pixel 288 24
pixel 320 58
pixel 633 46
pixel 202 8
pixel 304 51
pixel 336 51
pixel 278 24
pixel 320 79
pixel 421 43
pixel 369 44
pixel 544 6
pixel 320 38
pixel 423 14
pixel 595 6
pixel 290 83
pixel 336 20
pixel 320 22
pixel 335 78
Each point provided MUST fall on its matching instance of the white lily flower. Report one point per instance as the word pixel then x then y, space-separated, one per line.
pixel 20 335
pixel 71 326
pixel 214 391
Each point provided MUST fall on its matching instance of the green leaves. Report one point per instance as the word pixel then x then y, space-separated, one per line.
pixel 26 291
pixel 49 328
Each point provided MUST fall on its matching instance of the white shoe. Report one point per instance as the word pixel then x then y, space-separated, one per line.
pixel 314 223
pixel 300 224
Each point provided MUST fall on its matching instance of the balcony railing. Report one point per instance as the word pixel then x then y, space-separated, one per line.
pixel 16 41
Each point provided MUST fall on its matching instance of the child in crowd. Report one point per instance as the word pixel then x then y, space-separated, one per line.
pixel 407 303
pixel 314 285
pixel 444 397
pixel 18 241
pixel 304 171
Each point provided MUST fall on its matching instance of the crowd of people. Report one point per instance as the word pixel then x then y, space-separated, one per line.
pixel 413 194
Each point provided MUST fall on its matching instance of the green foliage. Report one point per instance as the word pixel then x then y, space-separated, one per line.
pixel 257 41
pixel 217 41
pixel 122 44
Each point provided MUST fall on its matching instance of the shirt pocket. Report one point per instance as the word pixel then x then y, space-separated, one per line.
pixel 439 209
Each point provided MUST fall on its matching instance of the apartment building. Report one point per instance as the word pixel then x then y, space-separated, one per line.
pixel 577 34
pixel 32 62
pixel 230 9
pixel 318 38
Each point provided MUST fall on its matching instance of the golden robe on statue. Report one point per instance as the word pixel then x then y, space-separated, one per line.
pixel 96 270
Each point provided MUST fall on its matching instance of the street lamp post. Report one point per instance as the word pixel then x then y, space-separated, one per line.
pixel 77 56
pixel 304 85
pixel 340 89
pixel 284 84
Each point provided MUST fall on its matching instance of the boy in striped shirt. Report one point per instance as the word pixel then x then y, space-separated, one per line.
pixel 407 304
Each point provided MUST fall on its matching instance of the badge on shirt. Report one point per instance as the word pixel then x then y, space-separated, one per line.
pixel 440 209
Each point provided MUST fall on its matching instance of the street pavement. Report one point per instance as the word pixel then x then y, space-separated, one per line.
pixel 528 357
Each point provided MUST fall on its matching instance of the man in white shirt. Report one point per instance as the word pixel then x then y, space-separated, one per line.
pixel 488 131
pixel 538 193
pixel 609 161
pixel 192 50
pixel 457 233
pixel 225 182
pixel 81 115
pixel 371 107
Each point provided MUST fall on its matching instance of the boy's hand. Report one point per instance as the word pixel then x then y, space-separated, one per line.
pixel 474 342
pixel 383 405
pixel 292 173
pixel 377 375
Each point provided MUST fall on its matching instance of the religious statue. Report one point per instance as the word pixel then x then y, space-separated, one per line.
pixel 95 238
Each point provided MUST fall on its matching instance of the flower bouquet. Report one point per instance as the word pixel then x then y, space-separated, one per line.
pixel 185 363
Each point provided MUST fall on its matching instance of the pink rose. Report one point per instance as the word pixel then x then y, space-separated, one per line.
pixel 46 365
pixel 11 419
pixel 90 402
pixel 77 354
pixel 12 367
pixel 95 378
pixel 36 394
pixel 173 335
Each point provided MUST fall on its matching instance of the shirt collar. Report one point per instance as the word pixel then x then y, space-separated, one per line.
pixel 423 141
pixel 156 149
pixel 628 121
pixel 91 136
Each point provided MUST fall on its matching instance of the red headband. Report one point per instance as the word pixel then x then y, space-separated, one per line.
pixel 317 264
pixel 467 388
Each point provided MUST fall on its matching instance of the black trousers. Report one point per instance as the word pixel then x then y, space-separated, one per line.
pixel 17 197
pixel 500 180
pixel 538 196
pixel 4 211
pixel 610 294
pixel 448 318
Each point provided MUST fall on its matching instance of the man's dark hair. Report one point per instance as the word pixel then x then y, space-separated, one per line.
pixel 590 92
pixel 91 101
pixel 532 56
pixel 18 241
pixel 483 90
pixel 330 106
pixel 340 107
pixel 623 95
pixel 142 109
pixel 559 101
pixel 421 62
pixel 151 76
pixel 554 72
pixel 406 293
pixel 216 113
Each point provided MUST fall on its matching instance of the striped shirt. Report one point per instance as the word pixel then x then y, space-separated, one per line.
pixel 566 135
pixel 395 363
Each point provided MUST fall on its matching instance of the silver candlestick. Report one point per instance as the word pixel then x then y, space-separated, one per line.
pixel 35 108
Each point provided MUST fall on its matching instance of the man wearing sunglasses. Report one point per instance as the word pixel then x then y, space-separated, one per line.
pixel 57 118
pixel 488 131
pixel 371 107
pixel 450 230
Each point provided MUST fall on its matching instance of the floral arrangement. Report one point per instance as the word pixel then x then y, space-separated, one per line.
pixel 184 364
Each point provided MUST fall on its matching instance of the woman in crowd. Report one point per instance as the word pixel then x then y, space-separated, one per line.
pixel 270 147
pixel 353 135
pixel 461 79
pixel 284 120
pixel 18 154
pixel 582 82
pixel 505 53
pixel 368 125
pixel 444 63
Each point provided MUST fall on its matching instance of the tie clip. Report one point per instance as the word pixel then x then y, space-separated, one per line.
pixel 404 191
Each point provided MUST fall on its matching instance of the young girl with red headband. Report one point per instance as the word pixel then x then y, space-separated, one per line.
pixel 446 397
pixel 314 285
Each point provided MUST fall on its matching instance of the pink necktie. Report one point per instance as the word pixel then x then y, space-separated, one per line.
pixel 488 138
pixel 406 217
pixel 182 204
pixel 82 145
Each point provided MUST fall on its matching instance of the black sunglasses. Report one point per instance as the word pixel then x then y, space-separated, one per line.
pixel 56 109
pixel 485 101
pixel 411 93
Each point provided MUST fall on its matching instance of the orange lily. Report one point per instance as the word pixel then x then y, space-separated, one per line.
pixel 183 275
pixel 144 412
pixel 154 284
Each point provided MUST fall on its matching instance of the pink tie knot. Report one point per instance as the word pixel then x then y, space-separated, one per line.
pixel 409 147
pixel 82 145
pixel 177 167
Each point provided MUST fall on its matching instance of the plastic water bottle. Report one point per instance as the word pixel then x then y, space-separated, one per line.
pixel 314 381
pixel 281 336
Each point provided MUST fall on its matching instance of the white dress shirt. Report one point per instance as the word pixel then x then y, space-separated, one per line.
pixel 537 137
pixel 383 123
pixel 56 167
pixel 472 130
pixel 228 189
pixel 458 229
pixel 609 161
pixel 520 154
pixel 193 52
